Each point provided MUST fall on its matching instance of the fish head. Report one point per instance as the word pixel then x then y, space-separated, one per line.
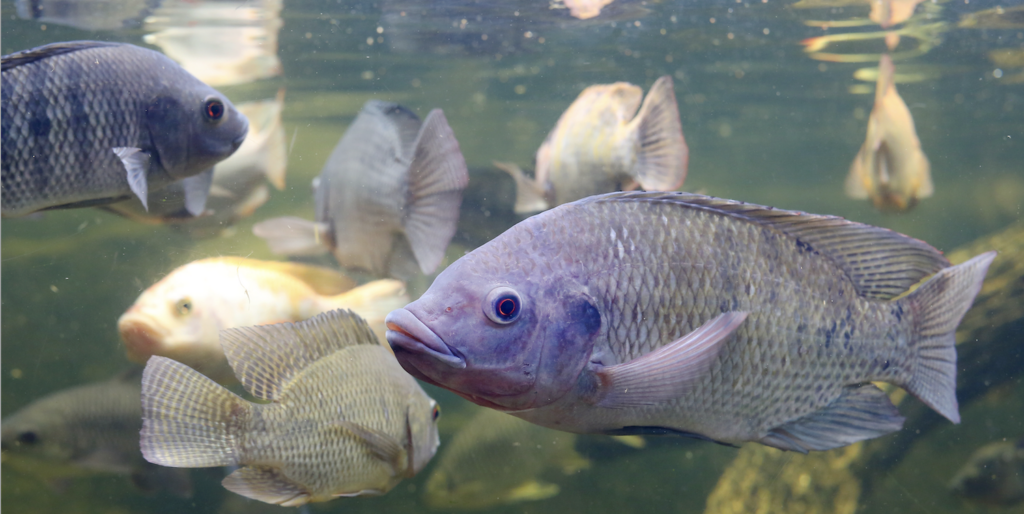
pixel 423 436
pixel 174 318
pixel 508 340
pixel 991 474
pixel 193 127
pixel 36 433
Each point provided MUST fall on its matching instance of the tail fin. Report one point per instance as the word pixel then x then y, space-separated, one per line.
pixel 940 304
pixel 663 156
pixel 530 197
pixel 290 235
pixel 437 177
pixel 188 420
pixel 372 302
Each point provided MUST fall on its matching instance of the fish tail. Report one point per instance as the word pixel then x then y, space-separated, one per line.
pixel 289 235
pixel 437 177
pixel 663 156
pixel 372 302
pixel 939 305
pixel 188 420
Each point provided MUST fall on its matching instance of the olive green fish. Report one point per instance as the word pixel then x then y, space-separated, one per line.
pixel 85 430
pixel 993 475
pixel 497 459
pixel 633 313
pixel 343 418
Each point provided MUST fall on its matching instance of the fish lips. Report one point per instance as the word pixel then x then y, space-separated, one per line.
pixel 406 333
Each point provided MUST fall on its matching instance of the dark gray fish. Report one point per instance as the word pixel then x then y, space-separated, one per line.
pixel 85 430
pixel 633 313
pixel 993 475
pixel 89 123
pixel 88 14
pixel 387 200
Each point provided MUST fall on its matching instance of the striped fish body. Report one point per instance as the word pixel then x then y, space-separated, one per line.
pixel 68 107
pixel 344 419
pixel 679 313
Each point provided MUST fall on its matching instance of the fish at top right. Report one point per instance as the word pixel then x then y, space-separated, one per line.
pixel 890 168
pixel 602 143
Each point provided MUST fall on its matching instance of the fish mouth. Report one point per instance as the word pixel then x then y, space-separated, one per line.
pixel 407 332
pixel 141 338
pixel 237 142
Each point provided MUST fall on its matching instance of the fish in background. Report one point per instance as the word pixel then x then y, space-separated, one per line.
pixel 887 13
pixel 581 9
pixel 890 168
pixel 497 459
pixel 86 430
pixel 637 313
pixel 993 475
pixel 88 14
pixel 77 133
pixel 343 418
pixel 181 315
pixel 602 144
pixel 387 200
pixel 239 182
pixel 245 34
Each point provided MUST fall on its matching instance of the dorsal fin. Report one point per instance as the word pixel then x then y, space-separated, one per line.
pixel 324 281
pixel 42 52
pixel 266 358
pixel 881 263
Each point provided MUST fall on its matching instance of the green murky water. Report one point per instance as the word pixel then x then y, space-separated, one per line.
pixel 765 121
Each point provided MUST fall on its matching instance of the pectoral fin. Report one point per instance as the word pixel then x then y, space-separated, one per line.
pixel 197 188
pixel 530 196
pixel 381 445
pixel 667 372
pixel 136 162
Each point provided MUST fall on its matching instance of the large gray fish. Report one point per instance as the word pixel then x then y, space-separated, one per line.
pixel 662 312
pixel 86 430
pixel 89 123
pixel 387 201
pixel 343 418
pixel 993 475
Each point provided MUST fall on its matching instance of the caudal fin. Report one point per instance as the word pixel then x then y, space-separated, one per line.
pixel 188 420
pixel 372 302
pixel 663 157
pixel 290 235
pixel 938 306
pixel 437 177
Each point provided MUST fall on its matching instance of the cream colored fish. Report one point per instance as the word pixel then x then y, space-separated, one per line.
pixel 344 419
pixel 887 13
pixel 599 146
pixel 497 459
pixel 890 168
pixel 180 316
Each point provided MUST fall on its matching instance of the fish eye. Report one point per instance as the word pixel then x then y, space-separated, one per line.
pixel 503 305
pixel 436 412
pixel 213 109
pixel 28 438
pixel 183 307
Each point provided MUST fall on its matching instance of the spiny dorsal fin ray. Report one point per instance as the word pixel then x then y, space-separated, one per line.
pixel 266 358
pixel 53 49
pixel 881 263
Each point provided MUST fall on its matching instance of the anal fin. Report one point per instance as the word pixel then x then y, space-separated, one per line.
pixel 861 412
pixel 381 445
pixel 289 235
pixel 266 485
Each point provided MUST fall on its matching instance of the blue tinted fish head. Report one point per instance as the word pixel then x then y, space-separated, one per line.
pixel 509 341
pixel 193 128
